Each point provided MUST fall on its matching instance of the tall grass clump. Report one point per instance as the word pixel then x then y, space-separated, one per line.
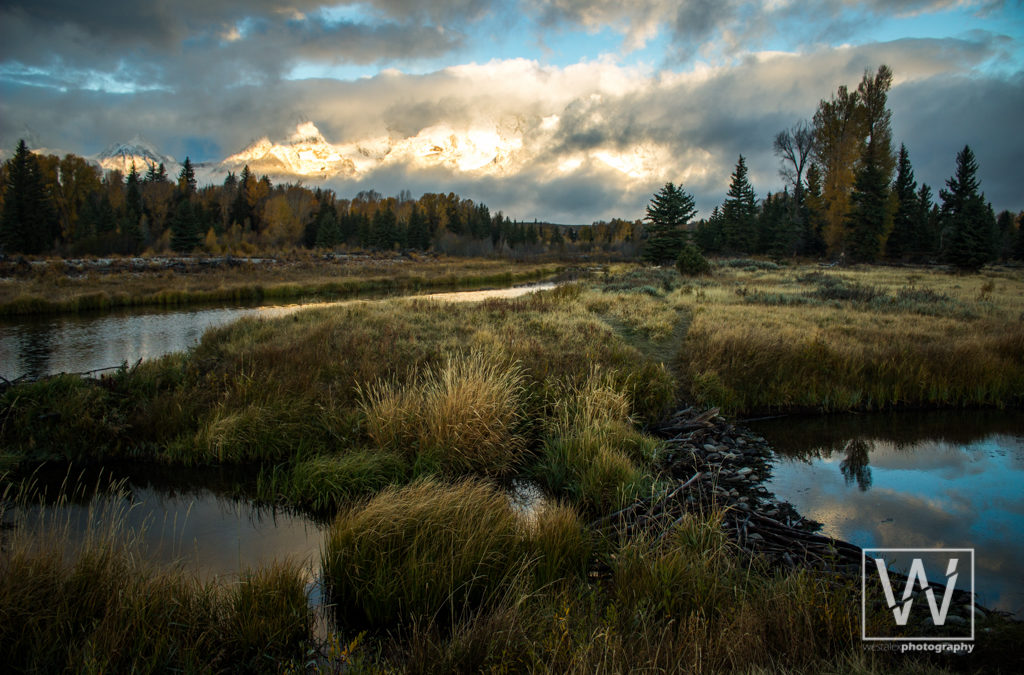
pixel 324 482
pixel 592 452
pixel 92 603
pixel 66 416
pixel 425 550
pixel 462 416
pixel 559 542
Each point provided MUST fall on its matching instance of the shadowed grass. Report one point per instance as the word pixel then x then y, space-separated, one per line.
pixel 92 604
pixel 423 550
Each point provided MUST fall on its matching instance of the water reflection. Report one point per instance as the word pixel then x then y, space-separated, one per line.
pixel 854 466
pixel 189 517
pixel 913 480
pixel 42 345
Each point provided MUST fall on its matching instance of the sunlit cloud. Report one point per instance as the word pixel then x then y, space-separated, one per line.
pixel 407 95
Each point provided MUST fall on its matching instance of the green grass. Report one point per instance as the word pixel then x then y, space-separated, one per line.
pixel 424 550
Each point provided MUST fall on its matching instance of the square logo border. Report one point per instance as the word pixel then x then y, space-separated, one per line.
pixel 863 594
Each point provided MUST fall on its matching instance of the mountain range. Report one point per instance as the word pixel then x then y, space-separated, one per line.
pixel 306 153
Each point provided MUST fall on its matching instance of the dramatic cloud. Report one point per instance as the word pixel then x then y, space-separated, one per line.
pixel 411 92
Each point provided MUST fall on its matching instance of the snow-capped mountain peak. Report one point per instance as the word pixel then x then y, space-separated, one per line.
pixel 121 156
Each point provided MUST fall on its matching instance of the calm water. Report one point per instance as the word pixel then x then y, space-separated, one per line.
pixel 191 517
pixel 913 480
pixel 37 346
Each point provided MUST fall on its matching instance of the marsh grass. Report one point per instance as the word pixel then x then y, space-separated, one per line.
pixel 91 603
pixel 680 600
pixel 463 415
pixel 864 339
pixel 592 451
pixel 325 483
pixel 53 291
pixel 424 551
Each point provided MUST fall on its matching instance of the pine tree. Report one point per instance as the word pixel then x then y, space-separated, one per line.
pixel 1018 250
pixel 385 229
pixel 185 226
pixel 905 219
pixel 967 226
pixel 708 235
pixel 187 178
pixel 739 212
pixel 133 208
pixel 29 221
pixel 1006 235
pixel 870 210
pixel 926 227
pixel 418 232
pixel 668 214
pixel 328 232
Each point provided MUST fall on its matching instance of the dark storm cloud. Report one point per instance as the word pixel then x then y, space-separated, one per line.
pixel 194 42
pixel 935 118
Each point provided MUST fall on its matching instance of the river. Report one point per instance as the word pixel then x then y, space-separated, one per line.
pixel 36 346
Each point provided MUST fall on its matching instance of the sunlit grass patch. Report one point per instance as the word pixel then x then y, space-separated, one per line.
pixel 462 416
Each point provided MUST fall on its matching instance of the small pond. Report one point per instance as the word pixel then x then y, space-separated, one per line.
pixel 913 480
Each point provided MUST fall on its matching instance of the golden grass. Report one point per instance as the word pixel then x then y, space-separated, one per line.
pixel 773 340
pixel 462 416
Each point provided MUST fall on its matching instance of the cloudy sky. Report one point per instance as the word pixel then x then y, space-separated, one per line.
pixel 590 106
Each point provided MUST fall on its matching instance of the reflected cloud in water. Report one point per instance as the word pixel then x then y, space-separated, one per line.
pixel 914 480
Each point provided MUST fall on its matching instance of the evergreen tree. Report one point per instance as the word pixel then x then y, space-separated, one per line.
pixel 1018 250
pixel 967 226
pixel 668 214
pixel 29 222
pixel 385 229
pixel 241 211
pixel 328 231
pixel 133 208
pixel 926 227
pixel 1006 235
pixel 905 219
pixel 187 178
pixel 418 230
pixel 185 226
pixel 739 212
pixel 455 224
pixel 708 235
pixel 870 210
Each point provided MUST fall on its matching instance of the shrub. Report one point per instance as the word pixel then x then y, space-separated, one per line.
pixel 691 262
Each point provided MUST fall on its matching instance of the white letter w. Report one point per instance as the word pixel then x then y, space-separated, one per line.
pixel 918 577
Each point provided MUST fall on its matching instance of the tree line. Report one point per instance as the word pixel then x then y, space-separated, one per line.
pixel 70 206
pixel 848 195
